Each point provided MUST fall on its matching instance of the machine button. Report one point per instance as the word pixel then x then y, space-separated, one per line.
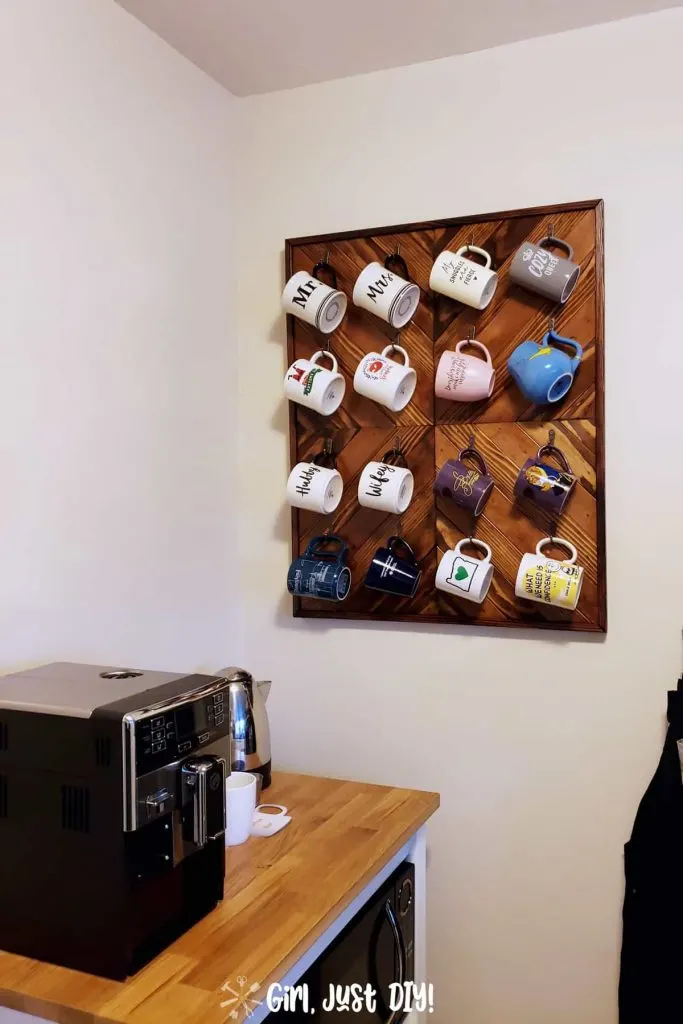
pixel 159 803
pixel 218 698
pixel 182 747
pixel 158 747
pixel 205 737
pixel 220 719
pixel 158 723
pixel 159 735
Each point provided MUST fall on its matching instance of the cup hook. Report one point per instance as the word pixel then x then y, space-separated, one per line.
pixel 396 342
pixel 470 442
pixel 397 250
pixel 551 230
pixel 551 323
pixel 327 446
pixel 551 437
pixel 471 332
pixel 327 256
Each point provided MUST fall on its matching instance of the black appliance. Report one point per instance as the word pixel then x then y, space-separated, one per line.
pixel 112 812
pixel 376 949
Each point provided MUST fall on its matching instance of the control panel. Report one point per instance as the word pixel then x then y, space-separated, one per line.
pixel 163 738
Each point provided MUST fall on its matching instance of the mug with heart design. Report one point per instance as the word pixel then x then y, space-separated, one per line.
pixel 388 295
pixel 320 572
pixel 465 378
pixel 462 279
pixel 469 488
pixel 311 300
pixel 463 576
pixel 315 486
pixel 546 486
pixel 313 386
pixel 536 268
pixel 394 569
pixel 545 374
pixel 387 485
pixel 386 381
pixel 547 580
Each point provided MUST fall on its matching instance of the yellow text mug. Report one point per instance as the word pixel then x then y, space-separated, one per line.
pixel 548 581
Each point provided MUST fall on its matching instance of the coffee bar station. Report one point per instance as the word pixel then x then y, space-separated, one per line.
pixel 157 869
pixel 446 397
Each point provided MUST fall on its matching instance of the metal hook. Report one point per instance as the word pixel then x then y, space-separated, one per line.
pixel 471 330
pixel 327 344
pixel 551 437
pixel 399 447
pixel 551 323
pixel 471 241
pixel 470 443
pixel 396 342
pixel 327 446
pixel 551 230
pixel 397 250
pixel 327 256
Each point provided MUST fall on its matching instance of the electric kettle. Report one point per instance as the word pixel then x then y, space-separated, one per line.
pixel 249 729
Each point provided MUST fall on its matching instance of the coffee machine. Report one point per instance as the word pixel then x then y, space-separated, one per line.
pixel 112 811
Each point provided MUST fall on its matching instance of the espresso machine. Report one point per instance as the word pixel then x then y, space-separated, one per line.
pixel 112 811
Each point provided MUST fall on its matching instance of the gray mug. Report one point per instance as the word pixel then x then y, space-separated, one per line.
pixel 541 271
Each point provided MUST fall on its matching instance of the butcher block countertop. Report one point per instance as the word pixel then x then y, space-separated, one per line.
pixel 281 894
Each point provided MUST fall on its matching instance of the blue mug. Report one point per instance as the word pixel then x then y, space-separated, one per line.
pixel 545 374
pixel 321 573
pixel 394 569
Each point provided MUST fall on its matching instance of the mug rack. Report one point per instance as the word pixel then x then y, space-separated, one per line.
pixel 507 428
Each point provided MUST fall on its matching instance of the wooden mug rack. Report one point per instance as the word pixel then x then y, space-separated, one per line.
pixel 507 429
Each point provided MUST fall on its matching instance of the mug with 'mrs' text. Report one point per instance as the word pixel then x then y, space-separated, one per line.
pixel 386 486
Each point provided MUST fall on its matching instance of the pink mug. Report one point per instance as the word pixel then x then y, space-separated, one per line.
pixel 463 378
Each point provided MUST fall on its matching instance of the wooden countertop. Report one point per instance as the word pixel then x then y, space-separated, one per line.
pixel 281 894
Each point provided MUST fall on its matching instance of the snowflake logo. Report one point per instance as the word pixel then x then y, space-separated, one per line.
pixel 527 254
pixel 241 998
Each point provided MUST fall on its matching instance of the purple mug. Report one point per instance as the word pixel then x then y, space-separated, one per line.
pixel 469 488
pixel 546 486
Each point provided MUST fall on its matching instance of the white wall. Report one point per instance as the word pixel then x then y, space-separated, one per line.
pixel 117 347
pixel 540 745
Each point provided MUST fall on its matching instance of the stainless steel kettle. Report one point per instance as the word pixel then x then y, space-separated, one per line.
pixel 249 729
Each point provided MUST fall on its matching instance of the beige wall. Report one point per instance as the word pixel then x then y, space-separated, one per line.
pixel 117 348
pixel 540 745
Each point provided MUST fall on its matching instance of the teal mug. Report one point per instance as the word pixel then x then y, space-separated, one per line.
pixel 545 374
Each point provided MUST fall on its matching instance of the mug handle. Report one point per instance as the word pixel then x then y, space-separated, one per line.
pixel 560 339
pixel 475 542
pixel 563 543
pixel 475 248
pixel 557 453
pixel 559 243
pixel 398 260
pixel 396 348
pixel 328 268
pixel 397 541
pixel 394 454
pixel 319 355
pixel 477 344
pixel 476 455
pixel 312 551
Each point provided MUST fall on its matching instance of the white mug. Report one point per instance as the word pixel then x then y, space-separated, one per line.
pixel 313 386
pixel 462 279
pixel 384 380
pixel 466 577
pixel 547 580
pixel 386 294
pixel 240 804
pixel 314 487
pixel 385 487
pixel 314 301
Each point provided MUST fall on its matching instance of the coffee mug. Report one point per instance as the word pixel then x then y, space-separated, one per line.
pixel 321 573
pixel 545 374
pixel 384 380
pixel 465 378
pixel 392 572
pixel 313 301
pixel 240 804
pixel 548 487
pixel 313 386
pixel 535 268
pixel 467 487
pixel 314 486
pixel 385 293
pixel 548 581
pixel 466 577
pixel 386 487
pixel 462 279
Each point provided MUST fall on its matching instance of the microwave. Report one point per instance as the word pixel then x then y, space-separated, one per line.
pixel 374 951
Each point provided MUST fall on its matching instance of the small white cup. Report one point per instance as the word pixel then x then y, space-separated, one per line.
pixel 385 381
pixel 462 279
pixel 314 487
pixel 240 804
pixel 385 487
pixel 384 293
pixel 313 386
pixel 314 301
pixel 466 577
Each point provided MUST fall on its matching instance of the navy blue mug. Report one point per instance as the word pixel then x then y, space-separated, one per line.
pixel 321 573
pixel 394 573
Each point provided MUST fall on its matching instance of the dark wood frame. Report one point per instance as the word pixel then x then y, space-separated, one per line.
pixel 338 611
